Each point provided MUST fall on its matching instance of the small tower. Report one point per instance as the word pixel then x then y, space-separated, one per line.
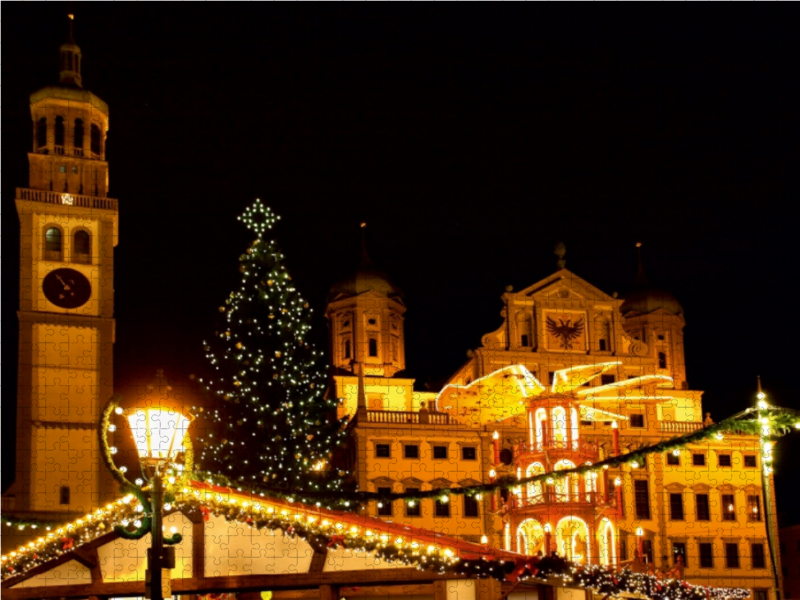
pixel 365 321
pixel 654 316
pixel 68 232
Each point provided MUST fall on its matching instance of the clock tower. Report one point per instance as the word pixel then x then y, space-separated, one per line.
pixel 69 229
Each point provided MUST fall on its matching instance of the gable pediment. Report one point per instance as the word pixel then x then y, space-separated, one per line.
pixel 564 285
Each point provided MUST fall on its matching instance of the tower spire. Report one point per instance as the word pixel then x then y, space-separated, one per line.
pixel 641 279
pixel 365 260
pixel 71 18
pixel 70 58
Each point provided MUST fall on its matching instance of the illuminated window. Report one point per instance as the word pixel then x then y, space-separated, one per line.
pixel 41 133
pixel 647 547
pixel 63 494
pixel 679 549
pixel 384 506
pixel 662 360
pixel 728 508
pixel 754 509
pixel 415 509
pixel 373 347
pixel 81 247
pixel 52 243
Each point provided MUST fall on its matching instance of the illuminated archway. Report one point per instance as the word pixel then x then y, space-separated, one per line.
pixel 607 543
pixel 566 487
pixel 572 539
pixel 535 489
pixel 530 537
pixel 559 430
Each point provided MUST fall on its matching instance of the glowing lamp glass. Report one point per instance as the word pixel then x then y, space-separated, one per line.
pixel 158 432
pixel 639 531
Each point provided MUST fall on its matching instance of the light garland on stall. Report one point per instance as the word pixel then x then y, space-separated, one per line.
pixel 325 532
pixel 270 422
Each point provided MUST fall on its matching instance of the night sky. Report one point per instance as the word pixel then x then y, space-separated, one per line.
pixel 471 139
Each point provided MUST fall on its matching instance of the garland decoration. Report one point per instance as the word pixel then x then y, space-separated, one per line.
pixel 323 533
pixel 781 421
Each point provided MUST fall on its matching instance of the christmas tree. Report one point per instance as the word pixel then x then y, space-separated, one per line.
pixel 268 422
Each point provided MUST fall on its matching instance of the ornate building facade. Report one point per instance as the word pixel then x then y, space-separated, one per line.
pixel 572 376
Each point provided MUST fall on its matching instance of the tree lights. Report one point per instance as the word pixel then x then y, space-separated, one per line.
pixel 269 423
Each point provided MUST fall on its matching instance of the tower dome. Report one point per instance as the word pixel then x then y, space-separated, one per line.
pixel 645 298
pixel 367 278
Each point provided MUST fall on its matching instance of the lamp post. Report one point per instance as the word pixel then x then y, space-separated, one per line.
pixel 155 431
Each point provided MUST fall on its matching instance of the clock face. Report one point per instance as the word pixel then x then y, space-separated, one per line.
pixel 67 288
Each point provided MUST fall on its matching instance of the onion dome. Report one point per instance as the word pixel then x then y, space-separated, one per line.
pixel 646 298
pixel 366 279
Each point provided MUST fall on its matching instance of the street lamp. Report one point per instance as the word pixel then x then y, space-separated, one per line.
pixel 155 431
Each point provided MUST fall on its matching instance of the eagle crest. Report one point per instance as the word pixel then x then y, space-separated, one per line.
pixel 565 332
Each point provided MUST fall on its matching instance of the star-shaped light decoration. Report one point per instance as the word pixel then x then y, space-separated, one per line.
pixel 258 217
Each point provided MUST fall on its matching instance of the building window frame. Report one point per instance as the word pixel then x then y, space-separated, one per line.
pixel 702 508
pixel 641 496
pixel 383 450
pixel 706 554
pixel 411 451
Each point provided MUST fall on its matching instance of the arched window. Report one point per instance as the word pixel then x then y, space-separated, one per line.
pixel 52 243
pixel 567 487
pixel 78 137
pixel 97 139
pixel 559 438
pixel 373 347
pixel 347 348
pixel 575 426
pixel 41 133
pixel 541 423
pixel 662 360
pixel 535 489
pixel 59 133
pixel 81 247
